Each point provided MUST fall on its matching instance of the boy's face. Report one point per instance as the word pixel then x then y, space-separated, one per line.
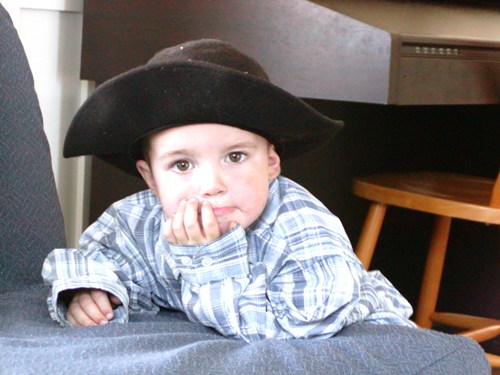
pixel 226 166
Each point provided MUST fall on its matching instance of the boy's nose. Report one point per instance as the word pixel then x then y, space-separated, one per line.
pixel 212 182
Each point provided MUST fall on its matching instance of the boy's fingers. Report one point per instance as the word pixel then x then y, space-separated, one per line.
pixel 169 232
pixel 191 223
pixel 79 319
pixel 233 225
pixel 81 313
pixel 91 309
pixel 101 299
pixel 115 300
pixel 209 222
pixel 88 308
pixel 178 223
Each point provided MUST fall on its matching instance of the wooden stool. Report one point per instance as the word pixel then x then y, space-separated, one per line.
pixel 447 196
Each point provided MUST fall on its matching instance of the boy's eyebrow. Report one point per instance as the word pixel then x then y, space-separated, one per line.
pixel 175 153
pixel 189 153
pixel 248 144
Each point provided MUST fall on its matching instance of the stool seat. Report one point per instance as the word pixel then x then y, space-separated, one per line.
pixel 448 196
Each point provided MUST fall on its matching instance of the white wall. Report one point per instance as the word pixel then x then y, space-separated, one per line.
pixel 51 32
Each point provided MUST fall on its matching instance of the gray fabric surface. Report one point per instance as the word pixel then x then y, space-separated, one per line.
pixel 31 222
pixel 30 343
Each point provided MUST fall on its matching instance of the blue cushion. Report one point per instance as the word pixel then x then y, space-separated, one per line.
pixel 30 214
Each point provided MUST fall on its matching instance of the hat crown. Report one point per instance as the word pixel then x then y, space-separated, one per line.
pixel 212 51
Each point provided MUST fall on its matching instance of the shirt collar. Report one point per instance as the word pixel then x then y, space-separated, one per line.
pixel 268 216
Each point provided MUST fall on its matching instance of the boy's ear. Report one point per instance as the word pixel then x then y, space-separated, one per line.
pixel 274 162
pixel 146 173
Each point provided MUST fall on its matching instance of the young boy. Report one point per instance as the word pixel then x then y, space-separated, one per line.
pixel 220 234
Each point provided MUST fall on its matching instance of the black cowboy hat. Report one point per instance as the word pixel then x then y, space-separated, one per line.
pixel 202 81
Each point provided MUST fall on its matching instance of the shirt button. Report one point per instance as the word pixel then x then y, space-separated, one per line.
pixel 186 261
pixel 207 262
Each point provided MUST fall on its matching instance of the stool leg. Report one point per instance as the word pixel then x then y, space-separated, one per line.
pixel 433 272
pixel 369 234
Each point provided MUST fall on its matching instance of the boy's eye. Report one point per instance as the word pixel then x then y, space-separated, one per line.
pixel 182 166
pixel 236 157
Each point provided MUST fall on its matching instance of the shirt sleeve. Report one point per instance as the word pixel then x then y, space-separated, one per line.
pixel 311 285
pixel 214 278
pixel 308 293
pixel 302 299
pixel 66 269
pixel 107 260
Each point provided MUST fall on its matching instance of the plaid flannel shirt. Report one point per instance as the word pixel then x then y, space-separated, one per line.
pixel 291 274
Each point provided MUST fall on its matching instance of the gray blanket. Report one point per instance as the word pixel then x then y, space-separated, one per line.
pixel 30 343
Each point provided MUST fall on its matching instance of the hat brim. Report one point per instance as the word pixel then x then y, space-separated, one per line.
pixel 153 97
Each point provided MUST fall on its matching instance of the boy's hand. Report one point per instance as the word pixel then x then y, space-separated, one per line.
pixel 90 307
pixel 193 223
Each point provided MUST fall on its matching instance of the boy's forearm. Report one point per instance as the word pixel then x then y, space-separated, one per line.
pixel 252 308
pixel 250 304
pixel 213 278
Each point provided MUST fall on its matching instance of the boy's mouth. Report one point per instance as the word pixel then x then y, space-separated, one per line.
pixel 220 211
